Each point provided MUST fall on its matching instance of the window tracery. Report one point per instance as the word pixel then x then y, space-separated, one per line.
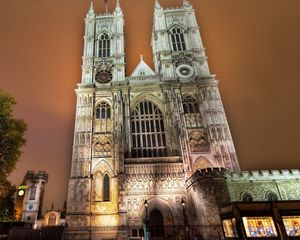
pixel 103 121
pixel 190 105
pixel 103 111
pixel 148 131
pixel 177 39
pixel 104 45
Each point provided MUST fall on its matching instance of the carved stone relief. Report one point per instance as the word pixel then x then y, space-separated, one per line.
pixel 198 141
pixel 102 147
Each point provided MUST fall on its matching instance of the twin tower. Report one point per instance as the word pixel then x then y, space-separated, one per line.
pixel 138 138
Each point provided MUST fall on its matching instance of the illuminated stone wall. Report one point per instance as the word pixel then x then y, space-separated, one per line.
pixel 138 138
pixel 210 189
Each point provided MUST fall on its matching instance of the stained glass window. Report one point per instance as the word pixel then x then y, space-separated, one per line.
pixel 229 227
pixel 292 225
pixel 259 227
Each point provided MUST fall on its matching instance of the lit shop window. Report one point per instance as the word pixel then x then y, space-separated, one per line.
pixel 292 225
pixel 229 227
pixel 259 227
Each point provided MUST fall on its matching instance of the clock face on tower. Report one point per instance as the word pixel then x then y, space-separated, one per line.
pixel 21 192
pixel 184 71
pixel 103 76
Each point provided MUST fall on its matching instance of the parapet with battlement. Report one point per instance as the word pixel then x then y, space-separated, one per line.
pixel 256 185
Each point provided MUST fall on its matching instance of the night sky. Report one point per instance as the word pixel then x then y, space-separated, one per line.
pixel 252 47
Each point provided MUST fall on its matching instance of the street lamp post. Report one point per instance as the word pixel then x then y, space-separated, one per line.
pixel 185 220
pixel 146 222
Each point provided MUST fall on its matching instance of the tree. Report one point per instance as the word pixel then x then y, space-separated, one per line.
pixel 7 204
pixel 11 141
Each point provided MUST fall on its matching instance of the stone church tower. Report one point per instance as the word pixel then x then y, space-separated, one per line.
pixel 138 138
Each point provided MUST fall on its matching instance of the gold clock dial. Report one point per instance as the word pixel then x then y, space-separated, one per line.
pixel 21 192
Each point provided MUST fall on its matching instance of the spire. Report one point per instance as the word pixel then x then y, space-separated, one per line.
pixel 118 9
pixel 91 12
pixel 186 4
pixel 52 206
pixel 106 6
pixel 157 5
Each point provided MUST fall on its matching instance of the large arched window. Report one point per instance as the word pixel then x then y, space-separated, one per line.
pixel 103 111
pixel 104 45
pixel 106 188
pixel 190 105
pixel 177 39
pixel 148 131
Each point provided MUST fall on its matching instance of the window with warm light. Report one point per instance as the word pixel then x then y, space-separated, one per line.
pixel 259 227
pixel 52 220
pixel 229 227
pixel 292 225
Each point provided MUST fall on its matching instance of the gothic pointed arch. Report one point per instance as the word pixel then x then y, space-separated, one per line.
pixel 147 130
pixel 202 163
pixel 163 206
pixel 104 44
pixel 177 38
pixel 177 24
pixel 106 188
pixel 102 174
pixel 150 97
pixel 190 104
pixel 103 167
pixel 103 117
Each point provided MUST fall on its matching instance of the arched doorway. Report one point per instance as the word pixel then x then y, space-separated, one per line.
pixel 156 224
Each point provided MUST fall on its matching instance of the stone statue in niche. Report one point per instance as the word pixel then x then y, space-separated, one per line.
pixel 198 141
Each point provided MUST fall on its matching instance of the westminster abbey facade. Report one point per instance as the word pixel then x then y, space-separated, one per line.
pixel 138 138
